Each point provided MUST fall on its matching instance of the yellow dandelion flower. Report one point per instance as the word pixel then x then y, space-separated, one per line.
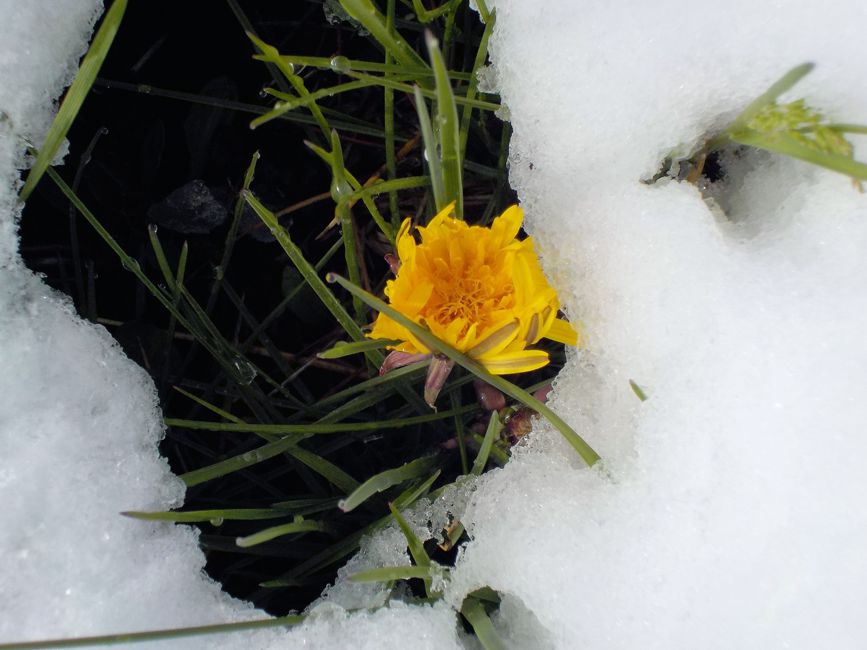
pixel 479 289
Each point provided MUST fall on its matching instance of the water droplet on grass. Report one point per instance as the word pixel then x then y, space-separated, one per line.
pixel 340 64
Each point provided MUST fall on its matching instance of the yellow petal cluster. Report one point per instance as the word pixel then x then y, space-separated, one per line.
pixel 479 289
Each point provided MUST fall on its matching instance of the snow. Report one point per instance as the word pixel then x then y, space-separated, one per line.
pixel 728 512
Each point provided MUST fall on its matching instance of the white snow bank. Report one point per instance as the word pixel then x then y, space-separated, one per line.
pixel 730 516
pixel 734 516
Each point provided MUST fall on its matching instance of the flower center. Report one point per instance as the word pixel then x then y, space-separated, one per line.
pixel 471 299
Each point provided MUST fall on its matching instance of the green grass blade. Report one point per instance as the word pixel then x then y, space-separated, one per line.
pixel 493 430
pixel 340 188
pixel 156 635
pixel 786 144
pixel 75 96
pixel 425 15
pixel 365 12
pixel 455 403
pixel 310 275
pixel 780 86
pixel 196 516
pixel 241 461
pixel 431 150
pixel 388 124
pixel 344 349
pixel 211 407
pixel 272 55
pixel 848 128
pixel 415 546
pixel 425 336
pixel 392 573
pixel 350 543
pixel 326 469
pixel 300 525
pixel 384 480
pixel 318 428
pixel 467 113
pixel 638 390
pixel 448 130
pixel 474 611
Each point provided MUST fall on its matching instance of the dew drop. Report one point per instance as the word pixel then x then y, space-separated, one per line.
pixel 340 64
pixel 245 372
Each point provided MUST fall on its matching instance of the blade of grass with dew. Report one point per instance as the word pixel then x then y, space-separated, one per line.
pixel 495 425
pixel 474 611
pixel 431 150
pixel 789 146
pixel 289 102
pixel 340 64
pixel 365 12
pixel 310 275
pixel 381 187
pixel 415 546
pixel 394 573
pixel 157 635
pixel 340 188
pixel 383 225
pixel 197 516
pixel 448 130
pixel 386 479
pixel 350 543
pixel 300 525
pixel 432 342
pixel 71 104
pixel 240 461
pixel 344 349
pixel 271 54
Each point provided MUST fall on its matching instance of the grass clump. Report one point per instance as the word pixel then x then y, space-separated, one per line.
pixel 292 445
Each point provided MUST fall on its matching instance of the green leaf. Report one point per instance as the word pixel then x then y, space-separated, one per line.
pixel 75 96
pixel 425 336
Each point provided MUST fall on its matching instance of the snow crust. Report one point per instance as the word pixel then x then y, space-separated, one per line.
pixel 728 513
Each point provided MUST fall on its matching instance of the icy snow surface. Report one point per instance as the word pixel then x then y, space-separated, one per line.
pixel 730 511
